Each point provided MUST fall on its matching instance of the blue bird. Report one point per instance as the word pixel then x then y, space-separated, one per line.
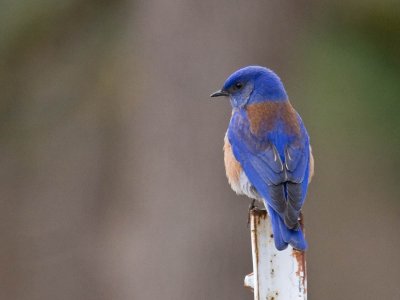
pixel 267 150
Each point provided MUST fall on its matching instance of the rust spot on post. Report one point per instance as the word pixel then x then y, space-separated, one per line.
pixel 300 257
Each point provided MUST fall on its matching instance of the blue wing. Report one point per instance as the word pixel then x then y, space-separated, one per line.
pixel 276 165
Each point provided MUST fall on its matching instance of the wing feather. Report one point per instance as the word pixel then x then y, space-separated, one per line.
pixel 278 177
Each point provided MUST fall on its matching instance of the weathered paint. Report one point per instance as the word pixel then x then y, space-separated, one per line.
pixel 277 275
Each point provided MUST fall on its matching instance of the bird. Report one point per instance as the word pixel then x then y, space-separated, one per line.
pixel 267 151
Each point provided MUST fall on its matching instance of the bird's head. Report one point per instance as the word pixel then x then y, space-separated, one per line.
pixel 250 85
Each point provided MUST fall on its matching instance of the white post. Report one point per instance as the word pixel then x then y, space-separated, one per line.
pixel 277 275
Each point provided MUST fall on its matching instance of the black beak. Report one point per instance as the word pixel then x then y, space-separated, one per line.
pixel 220 93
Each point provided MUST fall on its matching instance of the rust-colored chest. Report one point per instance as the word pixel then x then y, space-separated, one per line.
pixel 233 168
pixel 264 117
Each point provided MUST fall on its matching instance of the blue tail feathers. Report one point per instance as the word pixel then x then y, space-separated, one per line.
pixel 283 235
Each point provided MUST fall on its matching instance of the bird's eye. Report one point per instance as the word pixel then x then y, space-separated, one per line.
pixel 238 86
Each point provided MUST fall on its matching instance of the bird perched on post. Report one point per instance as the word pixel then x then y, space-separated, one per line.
pixel 267 150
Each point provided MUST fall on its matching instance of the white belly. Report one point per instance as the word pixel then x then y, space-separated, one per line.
pixel 244 187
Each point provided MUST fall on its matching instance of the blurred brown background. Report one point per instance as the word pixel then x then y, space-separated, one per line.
pixel 112 181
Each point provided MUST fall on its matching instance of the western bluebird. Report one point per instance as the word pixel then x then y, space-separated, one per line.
pixel 267 150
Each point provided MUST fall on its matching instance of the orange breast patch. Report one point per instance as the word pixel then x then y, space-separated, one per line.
pixel 232 166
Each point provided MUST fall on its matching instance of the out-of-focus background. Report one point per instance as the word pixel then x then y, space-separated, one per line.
pixel 112 181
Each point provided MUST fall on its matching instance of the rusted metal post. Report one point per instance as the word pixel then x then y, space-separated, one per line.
pixel 277 275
